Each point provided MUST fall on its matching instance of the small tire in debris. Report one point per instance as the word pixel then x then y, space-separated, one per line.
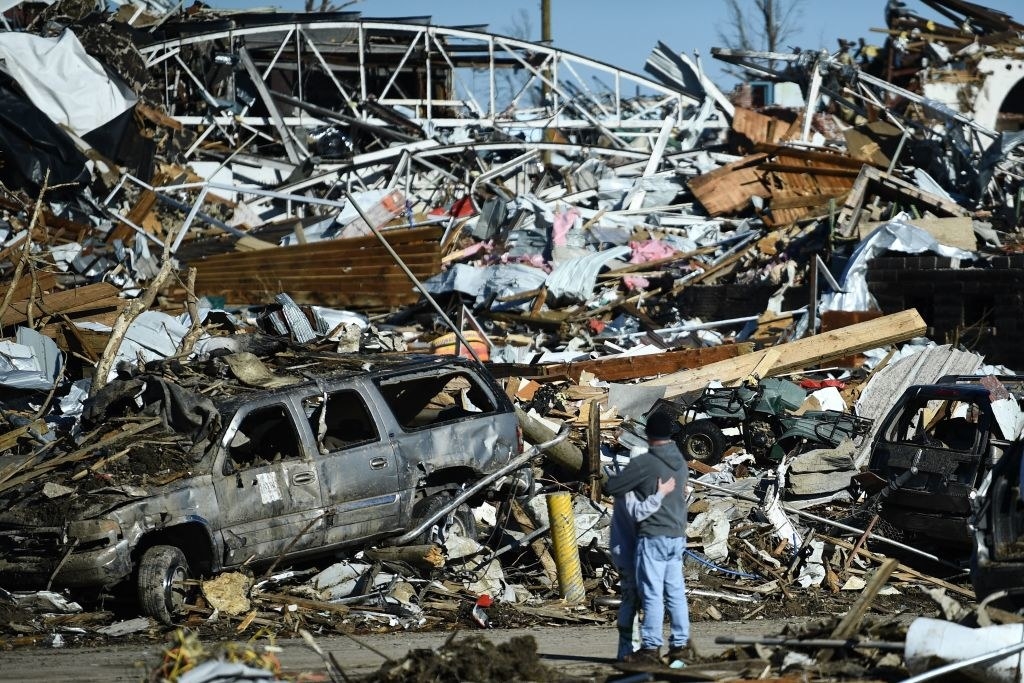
pixel 463 523
pixel 161 572
pixel 701 440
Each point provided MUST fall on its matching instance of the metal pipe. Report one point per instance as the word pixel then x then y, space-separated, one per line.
pixel 411 276
pixel 888 646
pixel 513 464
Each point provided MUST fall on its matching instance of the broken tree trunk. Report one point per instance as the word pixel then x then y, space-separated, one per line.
pixel 136 308
pixel 800 354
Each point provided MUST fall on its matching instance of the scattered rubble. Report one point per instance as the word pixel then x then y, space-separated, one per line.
pixel 203 208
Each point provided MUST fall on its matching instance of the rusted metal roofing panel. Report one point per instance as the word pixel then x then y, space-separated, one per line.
pixel 355 273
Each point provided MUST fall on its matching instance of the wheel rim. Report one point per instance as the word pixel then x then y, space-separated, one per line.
pixel 174 588
pixel 699 446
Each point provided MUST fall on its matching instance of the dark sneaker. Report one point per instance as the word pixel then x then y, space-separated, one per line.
pixel 681 654
pixel 649 655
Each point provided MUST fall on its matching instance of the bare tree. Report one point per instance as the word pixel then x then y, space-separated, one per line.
pixel 760 25
pixel 327 5
pixel 512 81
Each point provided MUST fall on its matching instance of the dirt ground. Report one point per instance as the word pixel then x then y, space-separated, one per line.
pixel 564 652
pixel 582 653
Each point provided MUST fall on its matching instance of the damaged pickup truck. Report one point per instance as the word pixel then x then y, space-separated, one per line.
pixel 320 453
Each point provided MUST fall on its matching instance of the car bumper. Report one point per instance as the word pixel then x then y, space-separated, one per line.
pixel 101 567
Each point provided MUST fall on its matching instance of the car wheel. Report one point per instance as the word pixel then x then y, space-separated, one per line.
pixel 462 522
pixel 162 571
pixel 701 440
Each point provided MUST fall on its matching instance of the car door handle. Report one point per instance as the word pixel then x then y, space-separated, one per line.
pixel 302 478
pixel 378 463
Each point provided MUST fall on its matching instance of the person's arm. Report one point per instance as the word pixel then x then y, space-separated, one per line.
pixel 631 477
pixel 639 510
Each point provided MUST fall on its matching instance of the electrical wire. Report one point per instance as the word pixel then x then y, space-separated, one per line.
pixel 708 563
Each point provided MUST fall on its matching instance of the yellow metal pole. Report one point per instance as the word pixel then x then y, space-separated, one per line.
pixel 563 541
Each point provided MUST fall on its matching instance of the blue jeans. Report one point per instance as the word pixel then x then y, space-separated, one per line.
pixel 627 612
pixel 660 582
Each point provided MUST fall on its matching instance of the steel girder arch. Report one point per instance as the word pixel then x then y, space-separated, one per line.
pixel 274 86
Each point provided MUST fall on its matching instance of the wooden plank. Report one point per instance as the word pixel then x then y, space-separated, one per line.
pixel 827 158
pixel 800 354
pixel 347 265
pixel 88 297
pixel 45 280
pixel 635 367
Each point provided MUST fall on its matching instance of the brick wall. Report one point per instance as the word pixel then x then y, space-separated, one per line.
pixel 981 309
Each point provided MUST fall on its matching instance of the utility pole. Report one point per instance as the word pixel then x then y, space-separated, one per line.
pixel 545 37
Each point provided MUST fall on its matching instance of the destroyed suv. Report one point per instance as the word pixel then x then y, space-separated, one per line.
pixel 934 448
pixel 324 453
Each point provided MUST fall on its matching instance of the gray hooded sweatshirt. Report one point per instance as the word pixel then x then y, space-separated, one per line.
pixel 641 475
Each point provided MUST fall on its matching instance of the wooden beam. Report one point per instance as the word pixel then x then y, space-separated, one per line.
pixel 619 368
pixel 800 354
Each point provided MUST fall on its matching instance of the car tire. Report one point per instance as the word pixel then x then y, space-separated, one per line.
pixel 161 571
pixel 462 519
pixel 701 440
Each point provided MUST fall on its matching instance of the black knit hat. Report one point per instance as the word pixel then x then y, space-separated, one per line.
pixel 659 426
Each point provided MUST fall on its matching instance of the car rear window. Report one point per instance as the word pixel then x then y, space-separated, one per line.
pixel 419 400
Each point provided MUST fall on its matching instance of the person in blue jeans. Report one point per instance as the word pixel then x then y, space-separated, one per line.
pixel 661 540
pixel 627 512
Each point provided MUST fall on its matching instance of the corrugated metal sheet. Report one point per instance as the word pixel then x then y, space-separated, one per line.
pixel 354 273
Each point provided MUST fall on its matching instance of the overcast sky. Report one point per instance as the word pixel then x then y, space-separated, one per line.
pixel 622 33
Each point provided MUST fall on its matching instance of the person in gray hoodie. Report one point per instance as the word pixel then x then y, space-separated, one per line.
pixel 661 540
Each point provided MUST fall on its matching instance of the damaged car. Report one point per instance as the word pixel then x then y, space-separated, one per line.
pixel 934 448
pixel 313 456
pixel 997 529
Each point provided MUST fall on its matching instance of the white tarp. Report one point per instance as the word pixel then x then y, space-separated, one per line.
pixel 896 235
pixel 68 85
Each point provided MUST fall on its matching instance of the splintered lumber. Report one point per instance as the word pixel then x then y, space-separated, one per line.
pixel 75 456
pixel 428 555
pixel 120 327
pixel 10 439
pixel 800 354
pixel 872 181
pixel 850 623
pixel 303 603
pixel 88 298
pixel 903 569
pixel 795 183
pixel 538 546
pixel 354 273
pixel 44 281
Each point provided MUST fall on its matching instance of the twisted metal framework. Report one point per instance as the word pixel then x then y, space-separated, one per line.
pixel 256 81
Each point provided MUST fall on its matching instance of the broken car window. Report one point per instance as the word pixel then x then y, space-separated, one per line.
pixel 421 400
pixel 265 435
pixel 952 425
pixel 341 422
